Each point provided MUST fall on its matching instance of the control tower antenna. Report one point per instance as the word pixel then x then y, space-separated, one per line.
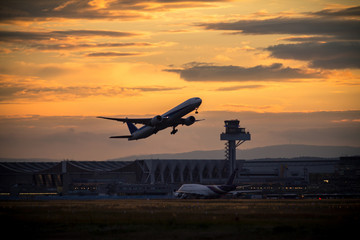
pixel 233 133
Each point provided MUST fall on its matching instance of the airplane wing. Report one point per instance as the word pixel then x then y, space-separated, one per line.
pixel 145 121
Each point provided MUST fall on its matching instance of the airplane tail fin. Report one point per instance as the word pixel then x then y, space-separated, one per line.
pixel 131 127
pixel 231 178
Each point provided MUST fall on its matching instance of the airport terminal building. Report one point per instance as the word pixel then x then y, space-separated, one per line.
pixel 156 177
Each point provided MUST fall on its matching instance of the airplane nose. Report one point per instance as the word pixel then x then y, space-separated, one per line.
pixel 196 101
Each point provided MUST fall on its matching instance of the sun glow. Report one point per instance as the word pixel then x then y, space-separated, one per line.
pixel 141 58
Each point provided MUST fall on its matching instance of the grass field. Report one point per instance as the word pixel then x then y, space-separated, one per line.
pixel 180 219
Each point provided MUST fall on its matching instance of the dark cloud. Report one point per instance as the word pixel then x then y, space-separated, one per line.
pixel 347 12
pixel 16 92
pixel 49 9
pixel 87 9
pixel 65 46
pixel 8 36
pixel 8 92
pixel 309 39
pixel 331 41
pixel 274 72
pixel 156 89
pixel 69 40
pixel 341 28
pixel 328 55
pixel 112 54
pixel 86 33
pixel 234 88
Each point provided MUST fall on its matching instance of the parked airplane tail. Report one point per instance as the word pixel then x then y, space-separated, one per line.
pixel 231 178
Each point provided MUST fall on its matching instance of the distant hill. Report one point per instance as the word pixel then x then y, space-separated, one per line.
pixel 276 151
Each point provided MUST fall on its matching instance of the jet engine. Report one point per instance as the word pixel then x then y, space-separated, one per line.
pixel 156 120
pixel 189 120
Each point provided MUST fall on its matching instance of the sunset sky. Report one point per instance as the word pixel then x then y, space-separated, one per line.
pixel 289 70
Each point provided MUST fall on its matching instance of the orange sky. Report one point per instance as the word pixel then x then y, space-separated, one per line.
pixel 126 58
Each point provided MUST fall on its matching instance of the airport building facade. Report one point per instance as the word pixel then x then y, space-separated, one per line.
pixel 155 176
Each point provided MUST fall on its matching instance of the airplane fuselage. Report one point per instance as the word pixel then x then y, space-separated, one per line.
pixel 170 119
pixel 203 191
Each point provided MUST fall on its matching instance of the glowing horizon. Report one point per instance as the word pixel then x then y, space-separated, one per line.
pixel 127 58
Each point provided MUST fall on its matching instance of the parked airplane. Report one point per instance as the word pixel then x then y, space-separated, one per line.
pixel 206 191
pixel 172 118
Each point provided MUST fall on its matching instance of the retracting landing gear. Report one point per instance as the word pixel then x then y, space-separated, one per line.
pixel 196 111
pixel 173 131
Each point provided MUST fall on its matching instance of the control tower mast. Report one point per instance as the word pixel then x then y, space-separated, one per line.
pixel 233 133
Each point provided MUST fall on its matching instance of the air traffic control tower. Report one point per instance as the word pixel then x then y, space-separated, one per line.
pixel 233 133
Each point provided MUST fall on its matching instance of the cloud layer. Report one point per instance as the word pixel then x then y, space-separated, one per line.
pixel 9 36
pixel 328 39
pixel 83 42
pixel 328 55
pixel 208 72
pixel 91 9
pixel 11 91
pixel 339 28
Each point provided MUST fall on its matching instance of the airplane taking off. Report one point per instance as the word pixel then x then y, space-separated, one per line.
pixel 172 118
pixel 206 191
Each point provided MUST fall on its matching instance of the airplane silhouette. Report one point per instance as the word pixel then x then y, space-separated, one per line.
pixel 172 118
